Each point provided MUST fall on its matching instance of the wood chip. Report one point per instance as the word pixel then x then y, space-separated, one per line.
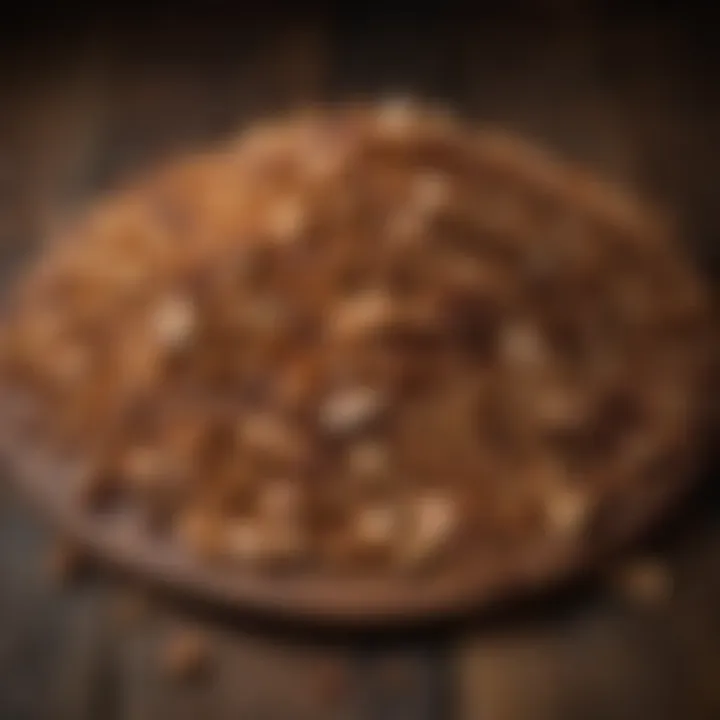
pixel 71 364
pixel 279 500
pixel 361 316
pixel 349 410
pixel 376 525
pixel 142 467
pixel 174 321
pixel 431 192
pixel 368 459
pixel 243 540
pixel 558 407
pixel 286 221
pixel 185 656
pixel 200 533
pixel 567 510
pixel 521 345
pixel 267 433
pixel 432 520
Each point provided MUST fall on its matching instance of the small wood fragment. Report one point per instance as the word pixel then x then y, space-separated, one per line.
pixel 185 656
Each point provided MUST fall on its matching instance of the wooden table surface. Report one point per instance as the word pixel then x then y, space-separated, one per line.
pixel 84 105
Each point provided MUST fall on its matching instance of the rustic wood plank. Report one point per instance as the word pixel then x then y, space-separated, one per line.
pixel 50 637
pixel 248 676
pixel 398 53
pixel 63 654
pixel 671 109
pixel 543 80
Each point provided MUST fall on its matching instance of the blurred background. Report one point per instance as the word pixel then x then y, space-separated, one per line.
pixel 89 97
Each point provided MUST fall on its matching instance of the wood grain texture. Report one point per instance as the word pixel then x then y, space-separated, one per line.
pixel 628 97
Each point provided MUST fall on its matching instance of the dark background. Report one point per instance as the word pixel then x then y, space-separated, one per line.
pixel 89 96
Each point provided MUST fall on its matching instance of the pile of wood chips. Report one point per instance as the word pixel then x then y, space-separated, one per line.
pixel 367 337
